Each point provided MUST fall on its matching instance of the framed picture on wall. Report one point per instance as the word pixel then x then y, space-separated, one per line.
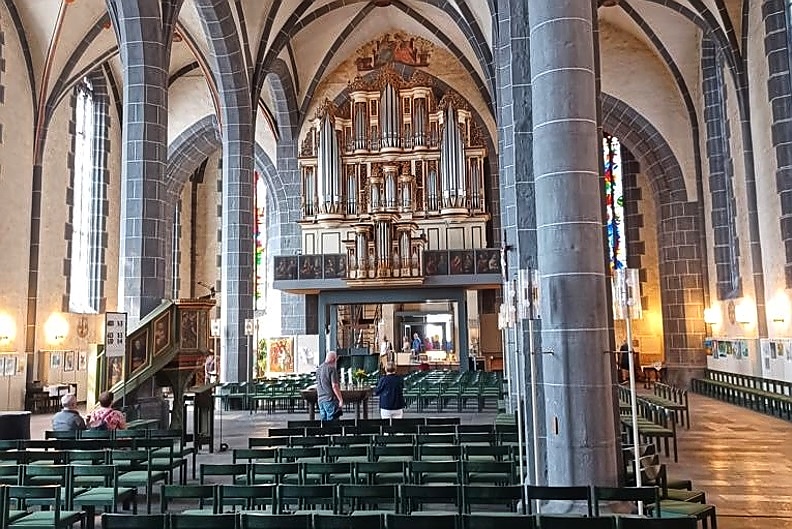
pixel 162 333
pixel 82 361
pixel 138 351
pixel 10 365
pixel 55 361
pixel 68 361
pixel 115 370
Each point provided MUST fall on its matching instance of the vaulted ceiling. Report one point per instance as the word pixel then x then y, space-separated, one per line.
pixel 312 37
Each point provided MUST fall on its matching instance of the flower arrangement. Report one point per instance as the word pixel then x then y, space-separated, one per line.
pixel 359 375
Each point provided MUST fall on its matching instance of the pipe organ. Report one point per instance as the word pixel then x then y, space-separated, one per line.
pixel 394 169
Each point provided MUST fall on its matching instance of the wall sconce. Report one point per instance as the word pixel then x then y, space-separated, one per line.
pixel 7 329
pixel 743 313
pixel 56 328
pixel 712 316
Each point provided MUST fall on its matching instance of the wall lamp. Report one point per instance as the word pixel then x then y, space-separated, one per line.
pixel 712 316
pixel 743 313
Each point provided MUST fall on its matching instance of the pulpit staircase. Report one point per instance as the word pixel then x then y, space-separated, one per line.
pixel 166 349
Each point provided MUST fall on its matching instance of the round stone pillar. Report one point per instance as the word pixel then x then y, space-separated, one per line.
pixel 579 418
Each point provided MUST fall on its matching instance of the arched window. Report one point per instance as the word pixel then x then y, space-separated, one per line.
pixel 88 197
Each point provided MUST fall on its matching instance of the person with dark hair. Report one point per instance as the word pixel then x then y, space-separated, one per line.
pixel 105 417
pixel 390 390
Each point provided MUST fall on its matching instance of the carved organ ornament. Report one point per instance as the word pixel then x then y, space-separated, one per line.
pixel 387 160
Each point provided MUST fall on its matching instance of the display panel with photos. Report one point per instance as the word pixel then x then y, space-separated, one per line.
pixel 9 365
pixel 55 360
pixel 82 361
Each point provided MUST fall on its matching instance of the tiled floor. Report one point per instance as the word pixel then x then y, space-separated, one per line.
pixel 742 459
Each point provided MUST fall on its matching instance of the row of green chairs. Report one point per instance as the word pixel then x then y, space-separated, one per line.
pixel 757 393
pixel 343 498
pixel 388 521
pixel 376 439
pixel 391 472
pixel 398 452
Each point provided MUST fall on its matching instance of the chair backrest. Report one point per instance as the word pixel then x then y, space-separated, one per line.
pixel 11 474
pixel 578 493
pixel 496 469
pixel 277 472
pixel 108 472
pixel 67 434
pixel 201 493
pixel 361 497
pixel 200 521
pixel 246 496
pixel 421 521
pixel 649 495
pixel 441 420
pixel 499 520
pixel 91 457
pixel 443 451
pixel 22 494
pixel 419 470
pixel 394 439
pixel 134 521
pixel 325 470
pixel 510 496
pixel 368 470
pixel 254 454
pixel 306 496
pixel 287 454
pixel 575 522
pixel 232 471
pixel 392 451
pixel 435 438
pixel 415 496
pixel 259 442
pixel 276 521
pixel 342 521
pixel 332 453
pixel 628 522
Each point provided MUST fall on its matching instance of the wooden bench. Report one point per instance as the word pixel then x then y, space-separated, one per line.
pixel 769 396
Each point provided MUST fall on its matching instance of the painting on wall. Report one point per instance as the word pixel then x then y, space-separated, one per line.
pixel 82 361
pixel 68 361
pixel 307 354
pixel 335 266
pixel 162 333
pixel 115 370
pixel 488 262
pixel 435 263
pixel 285 268
pixel 10 365
pixel 189 329
pixel 462 262
pixel 55 361
pixel 138 351
pixel 280 357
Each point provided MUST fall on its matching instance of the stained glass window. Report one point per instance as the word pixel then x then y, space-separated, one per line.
pixel 261 242
pixel 614 202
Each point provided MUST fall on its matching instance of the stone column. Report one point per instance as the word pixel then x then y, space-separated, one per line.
pixel 576 378
pixel 144 131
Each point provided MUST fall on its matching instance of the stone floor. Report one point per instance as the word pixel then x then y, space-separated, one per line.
pixel 742 459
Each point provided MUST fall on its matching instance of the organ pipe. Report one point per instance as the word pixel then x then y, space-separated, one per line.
pixel 419 122
pixel 452 163
pixel 389 117
pixel 329 169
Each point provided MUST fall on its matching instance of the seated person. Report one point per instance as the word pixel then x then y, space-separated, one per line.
pixel 105 417
pixel 68 419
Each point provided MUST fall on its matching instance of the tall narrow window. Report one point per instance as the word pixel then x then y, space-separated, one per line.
pixel 261 242
pixel 614 202
pixel 88 213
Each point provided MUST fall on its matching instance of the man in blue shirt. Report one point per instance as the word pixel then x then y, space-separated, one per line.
pixel 417 343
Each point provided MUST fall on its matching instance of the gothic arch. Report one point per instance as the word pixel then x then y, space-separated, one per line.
pixel 681 244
